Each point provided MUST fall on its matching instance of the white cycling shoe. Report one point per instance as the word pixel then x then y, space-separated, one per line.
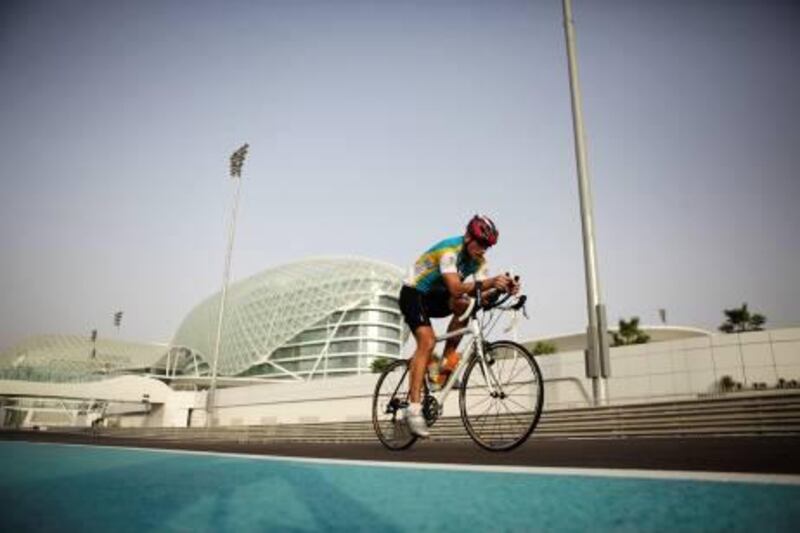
pixel 416 424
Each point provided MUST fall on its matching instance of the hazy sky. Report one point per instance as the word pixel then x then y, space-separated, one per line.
pixel 377 127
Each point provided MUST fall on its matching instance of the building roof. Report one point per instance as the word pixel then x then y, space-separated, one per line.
pixel 266 310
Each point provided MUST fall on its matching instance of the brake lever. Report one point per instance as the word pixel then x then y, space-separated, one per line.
pixel 520 304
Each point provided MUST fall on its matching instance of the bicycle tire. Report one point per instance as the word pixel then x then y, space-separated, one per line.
pixel 502 423
pixel 390 396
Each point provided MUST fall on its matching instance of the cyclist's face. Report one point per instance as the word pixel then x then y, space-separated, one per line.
pixel 475 249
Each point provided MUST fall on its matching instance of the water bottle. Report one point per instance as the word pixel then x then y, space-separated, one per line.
pixel 447 366
pixel 434 368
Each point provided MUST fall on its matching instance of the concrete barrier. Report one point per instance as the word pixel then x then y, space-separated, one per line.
pixel 762 414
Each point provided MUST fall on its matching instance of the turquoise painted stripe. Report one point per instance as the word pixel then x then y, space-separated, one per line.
pixel 80 488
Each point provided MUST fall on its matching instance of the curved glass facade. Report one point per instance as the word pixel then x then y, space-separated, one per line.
pixel 345 342
pixel 305 320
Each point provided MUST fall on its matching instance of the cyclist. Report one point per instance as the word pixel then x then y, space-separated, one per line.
pixel 436 288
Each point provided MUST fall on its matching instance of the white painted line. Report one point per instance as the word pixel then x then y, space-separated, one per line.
pixel 629 473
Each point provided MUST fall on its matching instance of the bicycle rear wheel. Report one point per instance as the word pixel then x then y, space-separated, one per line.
pixel 388 407
pixel 502 415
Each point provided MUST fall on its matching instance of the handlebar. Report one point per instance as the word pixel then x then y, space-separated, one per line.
pixel 475 305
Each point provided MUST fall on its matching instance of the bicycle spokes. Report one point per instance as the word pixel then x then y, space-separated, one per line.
pixel 501 403
pixel 388 407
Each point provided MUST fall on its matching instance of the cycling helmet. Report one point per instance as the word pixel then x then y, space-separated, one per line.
pixel 483 230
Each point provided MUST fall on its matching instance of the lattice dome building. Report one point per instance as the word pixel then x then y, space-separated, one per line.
pixel 305 320
pixel 72 358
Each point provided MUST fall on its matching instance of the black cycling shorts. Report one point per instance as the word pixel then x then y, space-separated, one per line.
pixel 419 307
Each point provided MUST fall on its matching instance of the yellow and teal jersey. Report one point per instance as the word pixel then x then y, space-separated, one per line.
pixel 447 256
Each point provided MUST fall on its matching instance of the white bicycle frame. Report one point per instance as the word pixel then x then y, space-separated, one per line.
pixel 474 330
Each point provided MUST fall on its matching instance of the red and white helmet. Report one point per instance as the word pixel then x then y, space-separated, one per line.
pixel 483 230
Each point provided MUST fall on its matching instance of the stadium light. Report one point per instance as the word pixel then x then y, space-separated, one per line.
pixel 236 164
pixel 93 337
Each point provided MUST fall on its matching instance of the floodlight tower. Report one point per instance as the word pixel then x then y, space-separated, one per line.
pixel 236 164
pixel 117 320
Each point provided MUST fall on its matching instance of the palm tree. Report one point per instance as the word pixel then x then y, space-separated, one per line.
pixel 544 348
pixel 379 364
pixel 629 333
pixel 726 383
pixel 739 320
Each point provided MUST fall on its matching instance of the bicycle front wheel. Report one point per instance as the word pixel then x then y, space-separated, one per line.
pixel 389 404
pixel 501 404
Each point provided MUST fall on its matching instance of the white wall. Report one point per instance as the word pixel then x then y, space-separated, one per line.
pixel 175 412
pixel 334 399
pixel 680 369
pixel 117 389
pixel 646 372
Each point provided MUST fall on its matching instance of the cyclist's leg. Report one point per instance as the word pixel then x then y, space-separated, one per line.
pixel 457 306
pixel 426 341
pixel 416 314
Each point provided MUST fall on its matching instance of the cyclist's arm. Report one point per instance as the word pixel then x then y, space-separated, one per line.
pixel 459 288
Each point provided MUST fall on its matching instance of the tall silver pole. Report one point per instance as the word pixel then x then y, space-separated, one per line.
pixel 237 161
pixel 594 333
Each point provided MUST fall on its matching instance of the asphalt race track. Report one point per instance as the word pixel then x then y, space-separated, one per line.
pixel 775 455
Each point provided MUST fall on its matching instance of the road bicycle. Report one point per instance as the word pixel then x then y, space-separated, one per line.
pixel 499 383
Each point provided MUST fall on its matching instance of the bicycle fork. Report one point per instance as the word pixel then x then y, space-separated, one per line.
pixel 492 383
pixel 476 347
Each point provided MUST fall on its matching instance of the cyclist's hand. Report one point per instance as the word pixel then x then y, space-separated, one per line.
pixel 491 297
pixel 515 285
pixel 502 283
